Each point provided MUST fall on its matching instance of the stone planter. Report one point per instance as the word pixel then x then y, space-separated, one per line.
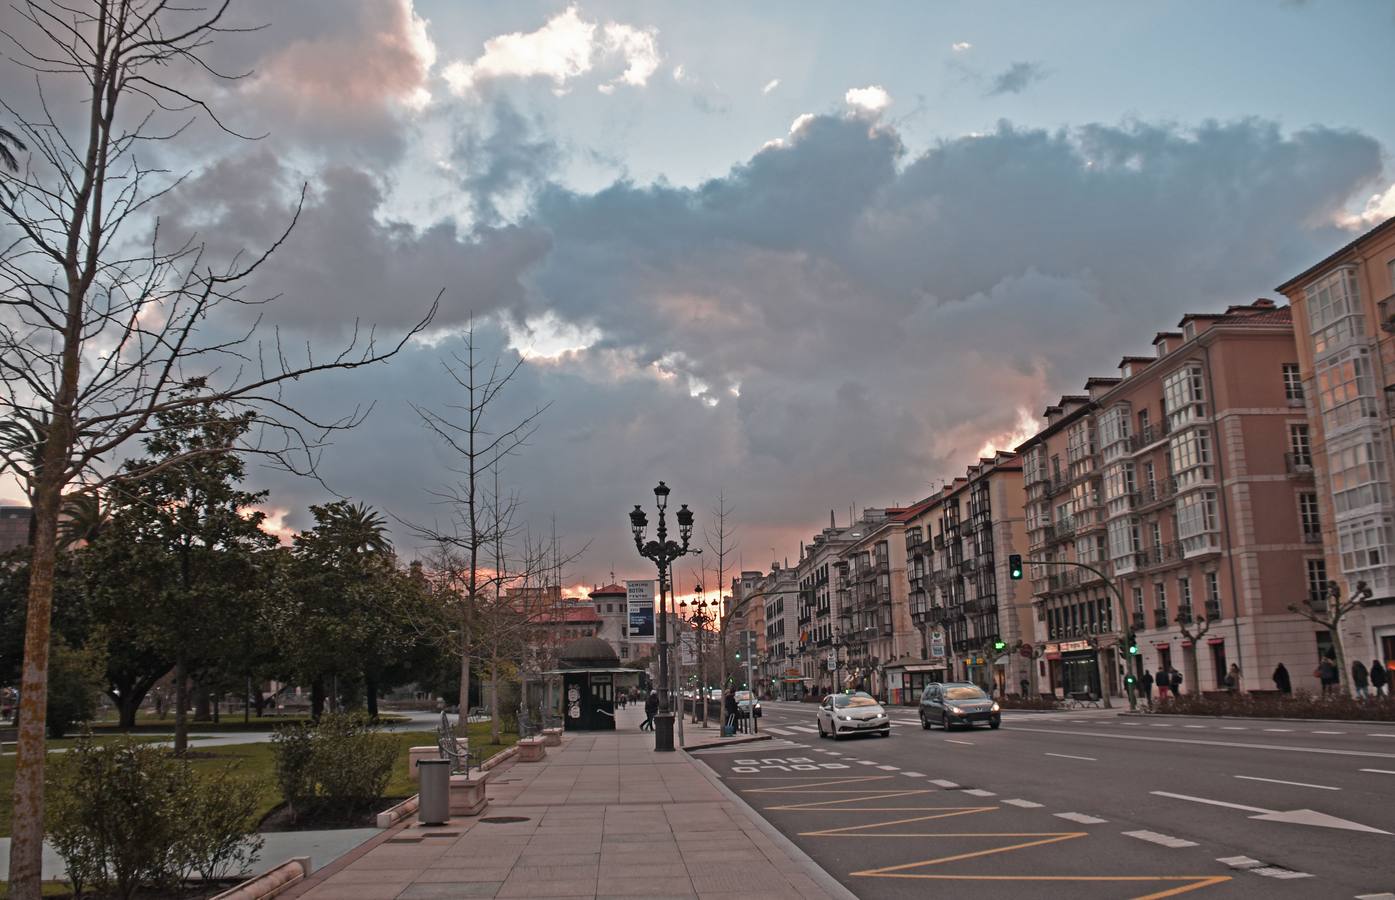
pixel 531 750
pixel 467 794
pixel 552 737
pixel 416 753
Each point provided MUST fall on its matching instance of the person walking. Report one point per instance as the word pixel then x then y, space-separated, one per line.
pixel 1282 683
pixel 1232 679
pixel 1379 678
pixel 1174 681
pixel 651 706
pixel 730 711
pixel 1162 684
pixel 1146 682
pixel 1327 674
pixel 1359 679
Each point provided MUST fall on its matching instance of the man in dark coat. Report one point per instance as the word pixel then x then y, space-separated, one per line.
pixel 1281 680
pixel 731 709
pixel 651 706
pixel 1146 682
pixel 1379 678
pixel 1359 678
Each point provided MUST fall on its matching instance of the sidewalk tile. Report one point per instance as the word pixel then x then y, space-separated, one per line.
pixel 424 891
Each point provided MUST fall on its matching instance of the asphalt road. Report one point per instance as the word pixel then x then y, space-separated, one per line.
pixel 1089 804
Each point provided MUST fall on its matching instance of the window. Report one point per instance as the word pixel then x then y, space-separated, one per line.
pixel 1155 531
pixel 1123 541
pixel 1078 442
pixel 1300 446
pixel 1356 467
pixel 1191 457
pixel 1138 600
pixel 1317 581
pixel 1346 391
pixel 1114 426
pixel 1160 596
pixel 1364 546
pixel 1308 516
pixel 1334 311
pixel 1086 550
pixel 1293 382
pixel 1119 482
pixel 1184 594
pixel 1196 521
pixel 1213 589
pixel 1184 399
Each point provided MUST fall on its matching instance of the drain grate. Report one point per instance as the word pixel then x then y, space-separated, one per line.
pixel 503 820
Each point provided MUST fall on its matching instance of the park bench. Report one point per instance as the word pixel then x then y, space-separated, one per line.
pixel 453 748
pixel 1082 699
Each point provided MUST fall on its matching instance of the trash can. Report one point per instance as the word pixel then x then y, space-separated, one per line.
pixel 433 807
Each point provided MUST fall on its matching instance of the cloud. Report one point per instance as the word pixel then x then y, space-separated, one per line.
pixel 770 85
pixel 564 48
pixel 1016 78
pixel 1378 208
pixel 961 46
pixel 872 98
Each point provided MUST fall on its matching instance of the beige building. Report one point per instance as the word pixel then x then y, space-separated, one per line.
pixel 875 625
pixel 1344 318
pixel 817 617
pixel 962 600
pixel 1188 483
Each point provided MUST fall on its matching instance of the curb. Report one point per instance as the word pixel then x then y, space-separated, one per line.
pixel 271 882
pixel 1155 715
pixel 498 758
pixel 727 742
pixel 830 885
pixel 391 816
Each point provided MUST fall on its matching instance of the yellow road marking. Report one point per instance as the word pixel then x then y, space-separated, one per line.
pixel 1197 881
pixel 850 830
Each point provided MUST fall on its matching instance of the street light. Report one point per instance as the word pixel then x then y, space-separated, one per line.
pixel 663 552
pixel 700 618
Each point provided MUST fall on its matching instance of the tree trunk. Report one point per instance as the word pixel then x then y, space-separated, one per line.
pixel 201 709
pixel 370 692
pixel 461 727
pixel 27 823
pixel 1344 685
pixel 494 700
pixel 181 704
pixel 317 697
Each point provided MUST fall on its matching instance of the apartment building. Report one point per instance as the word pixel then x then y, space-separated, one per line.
pixel 1344 320
pixel 780 595
pixel 818 612
pixel 875 626
pixel 1183 491
pixel 612 608
pixel 962 599
pixel 14 527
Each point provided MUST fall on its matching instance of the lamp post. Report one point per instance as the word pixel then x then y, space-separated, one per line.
pixel 700 619
pixel 663 552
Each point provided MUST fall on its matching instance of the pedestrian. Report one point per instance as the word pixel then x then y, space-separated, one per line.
pixel 1232 678
pixel 1162 684
pixel 1146 682
pixel 1174 681
pixel 1379 679
pixel 1026 686
pixel 1282 682
pixel 1359 678
pixel 651 706
pixel 1327 674
pixel 730 711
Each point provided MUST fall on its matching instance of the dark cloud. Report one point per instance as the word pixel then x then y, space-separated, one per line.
pixel 506 159
pixel 1016 78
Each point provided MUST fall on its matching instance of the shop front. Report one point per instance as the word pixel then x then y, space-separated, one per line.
pixel 906 681
pixel 1073 667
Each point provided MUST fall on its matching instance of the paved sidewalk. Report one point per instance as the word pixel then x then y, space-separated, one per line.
pixel 602 816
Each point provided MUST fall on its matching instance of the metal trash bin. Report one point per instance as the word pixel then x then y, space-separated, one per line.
pixel 433 805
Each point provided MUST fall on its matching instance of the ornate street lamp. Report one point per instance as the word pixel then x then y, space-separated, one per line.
pixel 700 618
pixel 663 552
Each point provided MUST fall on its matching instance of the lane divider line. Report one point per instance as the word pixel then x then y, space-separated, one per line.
pixel 1321 787
pixel 1025 804
pixel 1081 818
pixel 1164 840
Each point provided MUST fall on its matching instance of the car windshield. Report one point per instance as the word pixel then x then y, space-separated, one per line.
pixel 743 696
pixel 964 693
pixel 858 699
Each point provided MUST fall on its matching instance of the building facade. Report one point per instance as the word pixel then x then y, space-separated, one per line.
pixel 1344 320
pixel 875 626
pixel 613 611
pixel 817 617
pixel 1177 503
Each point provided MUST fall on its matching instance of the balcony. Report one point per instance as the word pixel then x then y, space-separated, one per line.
pixel 1160 617
pixel 886 629
pixel 1149 435
pixel 1055 485
pixel 1137 621
pixel 1312 537
pixel 1213 611
pixel 1184 614
pixel 1387 314
pixel 939 542
pixel 1156 494
pixel 1299 465
pixel 1160 555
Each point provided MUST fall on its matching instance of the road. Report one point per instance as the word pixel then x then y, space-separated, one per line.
pixel 1089 804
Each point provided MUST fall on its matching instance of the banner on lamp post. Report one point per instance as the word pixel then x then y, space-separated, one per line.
pixel 639 599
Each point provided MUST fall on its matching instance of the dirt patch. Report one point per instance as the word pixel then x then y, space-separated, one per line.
pixel 279 819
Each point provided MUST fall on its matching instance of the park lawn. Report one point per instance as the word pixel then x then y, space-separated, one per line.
pixel 256 762
pixel 149 724
pixel 50 889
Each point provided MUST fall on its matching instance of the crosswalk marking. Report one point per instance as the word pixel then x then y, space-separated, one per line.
pixel 1162 839
pixel 1025 804
pixel 1279 872
pixel 940 782
pixel 780 731
pixel 914 774
pixel 979 792
pixel 889 768
pixel 804 728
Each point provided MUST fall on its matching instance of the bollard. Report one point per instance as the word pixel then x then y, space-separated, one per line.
pixel 434 805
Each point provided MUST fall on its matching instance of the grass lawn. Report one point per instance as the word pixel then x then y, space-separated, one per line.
pixel 256 761
pixel 150 724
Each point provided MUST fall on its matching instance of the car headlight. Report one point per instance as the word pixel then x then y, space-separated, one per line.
pixel 846 718
pixel 996 707
pixel 956 710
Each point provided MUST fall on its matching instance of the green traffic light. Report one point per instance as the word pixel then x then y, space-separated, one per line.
pixel 999 645
pixel 1015 566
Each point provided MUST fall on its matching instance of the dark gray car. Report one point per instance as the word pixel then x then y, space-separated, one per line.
pixel 957 703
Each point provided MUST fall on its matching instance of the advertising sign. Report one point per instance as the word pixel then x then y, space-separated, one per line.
pixel 937 646
pixel 639 597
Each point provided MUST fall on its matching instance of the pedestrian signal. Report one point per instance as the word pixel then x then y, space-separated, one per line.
pixel 1015 566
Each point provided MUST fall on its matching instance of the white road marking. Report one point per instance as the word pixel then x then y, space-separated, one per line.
pixel 1381 734
pixel 864 762
pixel 1386 896
pixel 889 768
pixel 1081 818
pixel 1025 804
pixel 1238 746
pixel 1188 726
pixel 965 743
pixel 1380 771
pixel 1163 839
pixel 1329 732
pixel 1295 816
pixel 804 728
pixel 914 774
pixel 979 792
pixel 1239 862
pixel 1234 728
pixel 1068 756
pixel 1161 724
pixel 1279 872
pixel 780 731
pixel 1280 730
pixel 1131 723
pixel 1322 787
pixel 940 782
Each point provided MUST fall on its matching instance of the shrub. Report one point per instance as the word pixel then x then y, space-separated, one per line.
pixel 334 769
pixel 1300 705
pixel 75 676
pixel 128 815
pixel 1017 701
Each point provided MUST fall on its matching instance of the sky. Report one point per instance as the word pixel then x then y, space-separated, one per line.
pixel 809 257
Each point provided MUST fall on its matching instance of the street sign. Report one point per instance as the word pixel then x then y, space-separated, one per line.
pixel 1026 650
pixel 833 660
pixel 639 598
pixel 937 646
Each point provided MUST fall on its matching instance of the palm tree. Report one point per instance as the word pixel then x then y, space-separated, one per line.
pixel 359 529
pixel 84 518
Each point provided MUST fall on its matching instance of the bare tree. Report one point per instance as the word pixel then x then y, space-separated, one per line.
pixel 721 543
pixel 1193 630
pixel 104 320
pixel 1328 611
pixel 476 525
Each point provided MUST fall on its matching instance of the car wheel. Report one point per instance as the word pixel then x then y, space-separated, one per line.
pixel 924 722
pixel 994 725
pixel 886 733
pixel 944 720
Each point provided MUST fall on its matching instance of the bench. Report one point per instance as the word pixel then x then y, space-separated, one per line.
pixel 451 747
pixel 1082 699
pixel 532 749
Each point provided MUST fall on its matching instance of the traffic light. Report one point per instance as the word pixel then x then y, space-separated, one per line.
pixel 1130 680
pixel 1133 646
pixel 1015 566
pixel 1000 645
pixel 738 654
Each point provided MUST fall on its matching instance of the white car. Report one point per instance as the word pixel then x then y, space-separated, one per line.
pixel 854 712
